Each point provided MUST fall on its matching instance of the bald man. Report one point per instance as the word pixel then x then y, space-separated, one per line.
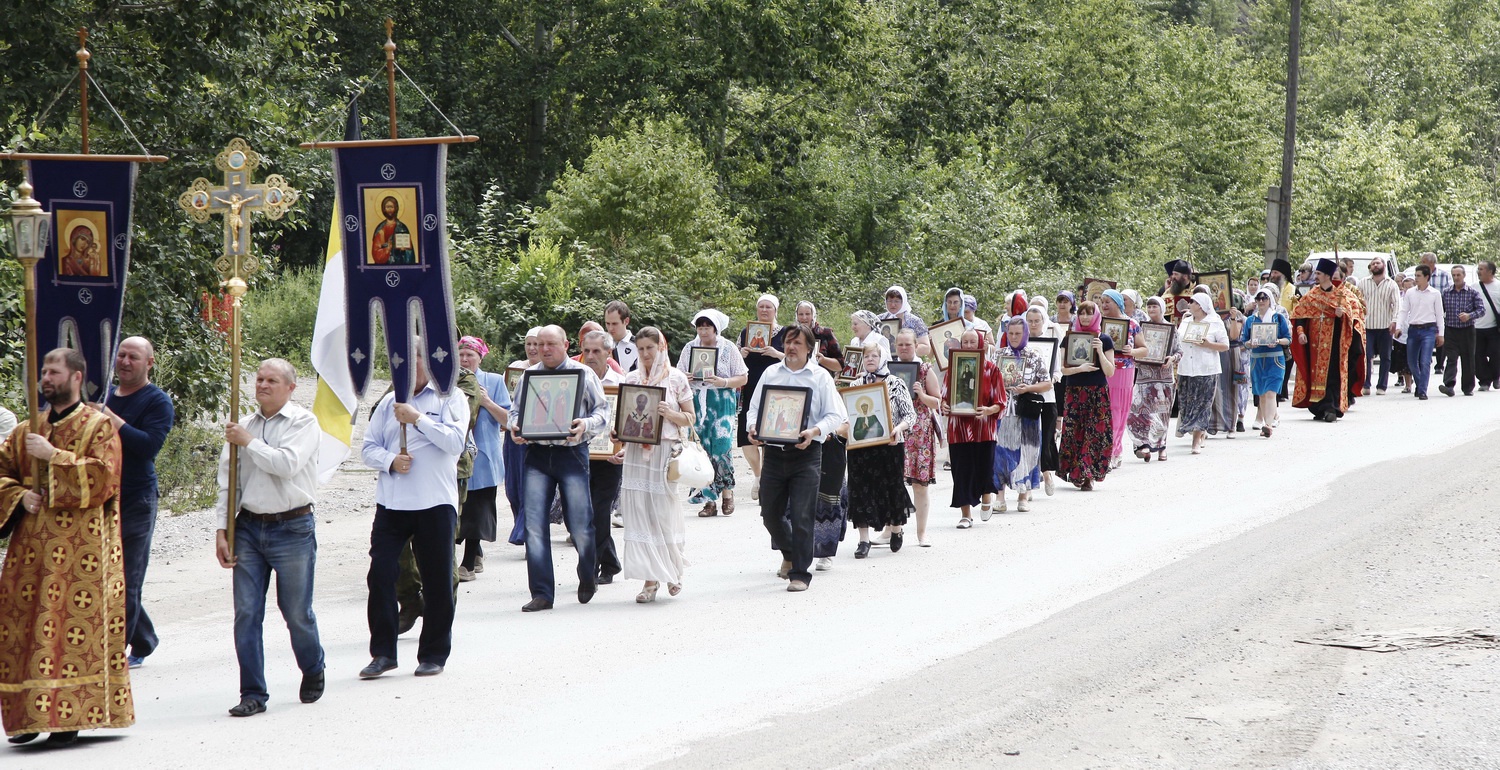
pixel 143 415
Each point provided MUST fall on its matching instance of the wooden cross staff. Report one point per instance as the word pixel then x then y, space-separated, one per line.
pixel 238 200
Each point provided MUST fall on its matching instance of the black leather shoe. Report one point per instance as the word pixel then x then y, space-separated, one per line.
pixel 896 539
pixel 586 591
pixel 17 740
pixel 1446 390
pixel 312 687
pixel 377 666
pixel 605 579
pixel 248 707
pixel 70 737
pixel 428 669
pixel 863 550
pixel 536 605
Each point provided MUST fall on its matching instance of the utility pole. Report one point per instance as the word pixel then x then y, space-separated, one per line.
pixel 1289 142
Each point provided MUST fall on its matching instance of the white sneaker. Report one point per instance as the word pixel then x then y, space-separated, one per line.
pixel 1255 426
pixel 755 489
pixel 824 564
pixel 1023 505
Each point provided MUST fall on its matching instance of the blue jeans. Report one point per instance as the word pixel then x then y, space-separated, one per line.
pixel 560 470
pixel 290 549
pixel 1419 344
pixel 137 525
pixel 1378 343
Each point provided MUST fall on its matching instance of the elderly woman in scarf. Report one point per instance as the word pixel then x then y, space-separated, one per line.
pixel 828 355
pixel 715 405
pixel 1122 382
pixel 971 315
pixel 971 438
pixel 1088 434
pixel 1151 406
pixel 1227 397
pixel 1198 368
pixel 513 454
pixel 1133 308
pixel 898 306
pixel 1267 362
pixel 757 361
pixel 1039 326
pixel 1018 439
pixel 477 520
pixel 877 487
pixel 654 529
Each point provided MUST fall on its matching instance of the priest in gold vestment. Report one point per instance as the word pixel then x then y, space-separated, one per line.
pixel 62 587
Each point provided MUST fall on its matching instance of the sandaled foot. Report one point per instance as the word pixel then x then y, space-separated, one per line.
pixel 709 509
pixel 647 594
pixel 674 589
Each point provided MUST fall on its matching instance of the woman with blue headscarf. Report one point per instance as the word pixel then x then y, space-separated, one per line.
pixel 1018 439
pixel 1122 381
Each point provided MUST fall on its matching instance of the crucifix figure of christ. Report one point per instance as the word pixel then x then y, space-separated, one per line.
pixel 238 200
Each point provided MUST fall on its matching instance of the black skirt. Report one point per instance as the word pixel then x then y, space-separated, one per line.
pixel 477 520
pixel 973 472
pixel 877 487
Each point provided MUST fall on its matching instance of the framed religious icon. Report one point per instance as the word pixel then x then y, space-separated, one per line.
pixel 1046 348
pixel 703 362
pixel 1118 330
pixel 908 371
pixel 965 377
pixel 854 363
pixel 1156 338
pixel 391 215
pixel 1078 349
pixel 513 379
pixel 636 420
pixel 870 414
pixel 1195 332
pixel 783 413
pixel 549 400
pixel 1220 289
pixel 604 445
pixel 757 335
pixel 1263 334
pixel 889 328
pixel 944 337
pixel 1010 367
pixel 1094 288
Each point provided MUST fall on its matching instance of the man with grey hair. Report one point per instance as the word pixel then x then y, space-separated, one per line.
pixel 560 467
pixel 274 531
pixel 604 475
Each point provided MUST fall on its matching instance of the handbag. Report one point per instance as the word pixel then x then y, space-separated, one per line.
pixel 690 464
pixel 1029 405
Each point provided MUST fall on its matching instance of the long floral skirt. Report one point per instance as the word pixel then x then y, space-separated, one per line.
pixel 1195 403
pixel 921 449
pixel 878 496
pixel 973 471
pixel 1088 435
pixel 1121 394
pixel 1150 415
pixel 1018 453
pixel 1226 399
pixel 655 532
pixel 715 410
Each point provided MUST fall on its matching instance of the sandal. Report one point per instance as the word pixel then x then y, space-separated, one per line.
pixel 710 508
pixel 1088 485
pixel 674 589
pixel 647 594
pixel 965 523
pixel 1161 457
pixel 728 500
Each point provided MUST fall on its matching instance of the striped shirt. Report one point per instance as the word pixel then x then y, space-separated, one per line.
pixel 1382 302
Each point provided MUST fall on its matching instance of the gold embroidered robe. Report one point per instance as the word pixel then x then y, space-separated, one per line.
pixel 62 587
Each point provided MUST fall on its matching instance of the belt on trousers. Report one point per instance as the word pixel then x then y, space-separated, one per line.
pixel 1423 326
pixel 282 516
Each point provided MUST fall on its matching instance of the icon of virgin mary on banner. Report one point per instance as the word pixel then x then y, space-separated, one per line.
pixel 393 211
pixel 80 286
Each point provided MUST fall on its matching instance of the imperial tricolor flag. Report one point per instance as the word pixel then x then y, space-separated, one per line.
pixel 80 285
pixel 392 214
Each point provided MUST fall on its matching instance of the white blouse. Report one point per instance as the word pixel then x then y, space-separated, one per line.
pixel 1197 360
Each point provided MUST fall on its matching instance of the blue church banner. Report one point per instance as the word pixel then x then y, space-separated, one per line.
pixel 392 212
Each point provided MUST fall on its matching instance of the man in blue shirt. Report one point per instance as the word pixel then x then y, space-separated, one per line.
pixel 143 415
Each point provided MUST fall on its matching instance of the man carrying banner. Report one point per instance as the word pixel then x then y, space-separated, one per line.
pixel 142 413
pixel 274 531
pixel 62 591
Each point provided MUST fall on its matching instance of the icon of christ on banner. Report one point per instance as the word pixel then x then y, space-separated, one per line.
pixel 391 241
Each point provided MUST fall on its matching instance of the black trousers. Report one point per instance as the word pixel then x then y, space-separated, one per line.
pixel 1049 436
pixel 1458 350
pixel 791 475
pixel 604 491
pixel 431 534
pixel 1487 355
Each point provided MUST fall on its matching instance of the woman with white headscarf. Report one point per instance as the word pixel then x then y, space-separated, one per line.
pixel 1267 363
pixel 877 488
pixel 757 361
pixel 898 306
pixel 1151 404
pixel 1018 438
pixel 1227 397
pixel 1198 369
pixel 828 355
pixel 654 530
pixel 1039 325
pixel 715 405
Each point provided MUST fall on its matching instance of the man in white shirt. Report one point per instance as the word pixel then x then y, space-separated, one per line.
pixel 416 499
pixel 1422 318
pixel 604 475
pixel 790 472
pixel 1382 306
pixel 1487 330
pixel 1441 281
pixel 276 485
pixel 617 323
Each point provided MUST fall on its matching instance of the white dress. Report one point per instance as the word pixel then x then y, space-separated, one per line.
pixel 655 530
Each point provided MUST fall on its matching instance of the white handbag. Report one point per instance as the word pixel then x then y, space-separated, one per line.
pixel 690 464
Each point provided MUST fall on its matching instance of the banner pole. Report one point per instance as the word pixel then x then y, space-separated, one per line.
pixel 83 86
